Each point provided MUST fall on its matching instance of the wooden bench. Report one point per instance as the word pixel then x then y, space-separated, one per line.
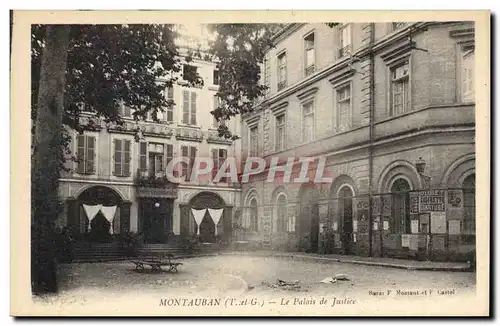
pixel 156 263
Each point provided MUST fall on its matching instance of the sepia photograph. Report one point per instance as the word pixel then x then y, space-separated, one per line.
pixel 258 163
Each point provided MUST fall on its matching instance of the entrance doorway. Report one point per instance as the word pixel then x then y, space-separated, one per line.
pixel 156 217
pixel 345 206
pixel 401 220
pixel 206 200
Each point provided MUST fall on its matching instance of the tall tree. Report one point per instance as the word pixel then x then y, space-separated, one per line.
pixel 98 69
pixel 45 173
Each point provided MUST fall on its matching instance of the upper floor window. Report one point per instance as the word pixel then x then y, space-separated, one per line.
pixel 170 108
pixel 267 75
pixel 190 153
pixel 126 111
pixel 218 156
pixel 122 157
pixel 309 64
pixel 189 71
pixel 280 132
pixel 468 77
pixel 308 121
pixel 345 40
pixel 343 96
pixel 86 154
pixel 189 107
pixel 215 77
pixel 254 141
pixel 282 71
pixel 400 88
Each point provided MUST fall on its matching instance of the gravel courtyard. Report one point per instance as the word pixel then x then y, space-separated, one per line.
pixel 87 284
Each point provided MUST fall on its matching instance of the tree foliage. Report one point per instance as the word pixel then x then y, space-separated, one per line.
pixel 111 66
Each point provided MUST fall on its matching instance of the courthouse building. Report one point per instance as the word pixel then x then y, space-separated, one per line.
pixel 391 108
pixel 119 184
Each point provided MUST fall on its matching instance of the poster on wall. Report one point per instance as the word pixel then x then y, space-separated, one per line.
pixel 414 203
pixel 432 201
pixel 386 225
pixel 405 240
pixel 454 227
pixel 454 204
pixel 414 226
pixel 335 226
pixel 375 226
pixel 355 225
pixel 438 222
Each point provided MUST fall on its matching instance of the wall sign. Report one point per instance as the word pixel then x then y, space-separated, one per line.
pixel 432 201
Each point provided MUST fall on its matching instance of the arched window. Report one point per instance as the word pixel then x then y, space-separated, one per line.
pixel 469 189
pixel 254 215
pixel 401 222
pixel 281 211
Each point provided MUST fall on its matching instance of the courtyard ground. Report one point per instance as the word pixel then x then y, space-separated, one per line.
pixel 109 287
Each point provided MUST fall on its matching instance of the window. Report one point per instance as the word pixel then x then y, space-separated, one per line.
pixel 122 157
pixel 219 156
pixel 254 215
pixel 170 108
pixel 281 214
pixel 216 77
pixel 189 107
pixel 309 54
pixel 126 111
pixel 343 108
pixel 86 154
pixel 345 40
pixel 400 90
pixel 282 71
pixel 267 75
pixel 308 121
pixel 254 141
pixel 189 70
pixel 190 153
pixel 468 77
pixel 280 132
pixel 157 155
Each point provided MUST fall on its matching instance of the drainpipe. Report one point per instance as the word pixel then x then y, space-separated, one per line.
pixel 370 146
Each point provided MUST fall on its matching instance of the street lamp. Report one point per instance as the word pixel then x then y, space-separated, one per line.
pixel 157 204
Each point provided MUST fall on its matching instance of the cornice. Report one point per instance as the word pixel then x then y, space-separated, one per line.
pixel 307 93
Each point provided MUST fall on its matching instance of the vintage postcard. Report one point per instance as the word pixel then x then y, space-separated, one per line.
pixel 250 163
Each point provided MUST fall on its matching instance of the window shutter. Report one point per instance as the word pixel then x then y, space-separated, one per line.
pixel 126 158
pixel 193 108
pixel 89 167
pixel 215 159
pixel 192 156
pixel 222 159
pixel 185 166
pixel 143 152
pixel 169 154
pixel 170 108
pixel 118 157
pixel 185 107
pixel 81 153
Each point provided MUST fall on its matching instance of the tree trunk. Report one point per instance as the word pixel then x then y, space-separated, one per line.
pixel 45 159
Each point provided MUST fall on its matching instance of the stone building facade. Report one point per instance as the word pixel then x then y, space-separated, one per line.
pixel 118 171
pixel 391 108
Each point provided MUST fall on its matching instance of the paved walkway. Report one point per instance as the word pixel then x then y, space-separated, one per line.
pixel 373 261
